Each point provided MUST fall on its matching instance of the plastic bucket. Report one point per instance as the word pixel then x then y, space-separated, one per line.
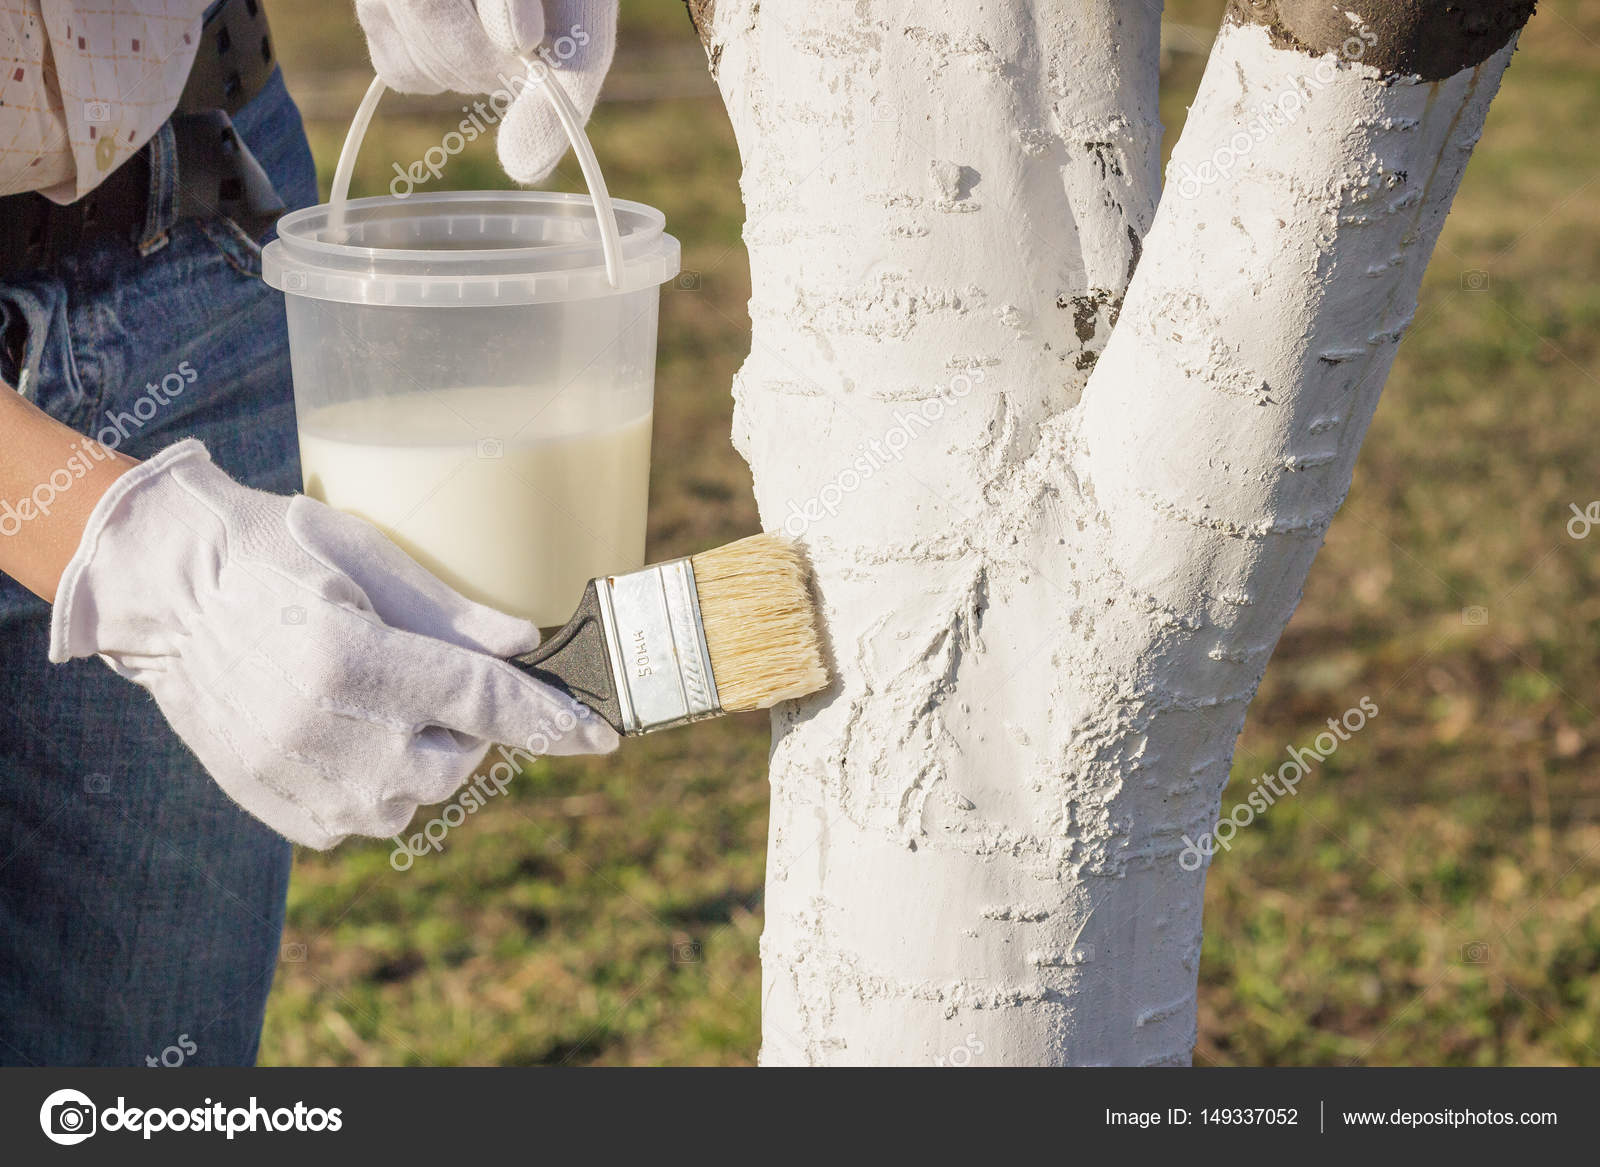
pixel 472 379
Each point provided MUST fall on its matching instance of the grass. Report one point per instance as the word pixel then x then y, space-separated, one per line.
pixel 1432 894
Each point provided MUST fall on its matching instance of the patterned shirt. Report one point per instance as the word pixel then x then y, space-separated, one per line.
pixel 84 84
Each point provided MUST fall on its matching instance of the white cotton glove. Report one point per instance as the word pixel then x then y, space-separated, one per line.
pixel 328 683
pixel 428 46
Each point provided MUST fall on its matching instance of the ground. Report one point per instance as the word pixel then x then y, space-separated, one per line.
pixel 1428 897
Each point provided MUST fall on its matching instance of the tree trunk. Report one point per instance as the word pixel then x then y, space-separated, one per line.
pixel 1054 555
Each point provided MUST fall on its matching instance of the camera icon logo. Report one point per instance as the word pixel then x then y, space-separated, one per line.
pixel 98 112
pixel 1475 616
pixel 1475 952
pixel 67 1117
pixel 97 784
pixel 294 281
pixel 686 952
pixel 294 614
pixel 294 953
pixel 687 281
pixel 491 448
pixel 1476 280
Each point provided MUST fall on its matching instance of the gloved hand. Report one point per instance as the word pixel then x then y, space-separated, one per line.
pixel 326 681
pixel 428 46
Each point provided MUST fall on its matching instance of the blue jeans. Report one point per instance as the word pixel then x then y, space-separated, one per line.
pixel 139 907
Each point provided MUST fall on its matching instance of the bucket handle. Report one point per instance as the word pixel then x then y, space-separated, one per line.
pixel 543 76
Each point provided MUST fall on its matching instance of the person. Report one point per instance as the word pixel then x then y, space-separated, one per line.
pixel 293 675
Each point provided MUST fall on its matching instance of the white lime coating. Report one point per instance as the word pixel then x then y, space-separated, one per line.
pixel 1050 594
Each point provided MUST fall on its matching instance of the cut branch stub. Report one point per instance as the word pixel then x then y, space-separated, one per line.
pixel 1433 39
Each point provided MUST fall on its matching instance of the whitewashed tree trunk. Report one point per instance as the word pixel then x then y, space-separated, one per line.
pixel 1058 520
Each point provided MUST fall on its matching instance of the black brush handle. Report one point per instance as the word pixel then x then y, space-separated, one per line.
pixel 575 661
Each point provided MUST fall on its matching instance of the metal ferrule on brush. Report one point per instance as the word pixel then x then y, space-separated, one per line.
pixel 657 646
pixel 634 652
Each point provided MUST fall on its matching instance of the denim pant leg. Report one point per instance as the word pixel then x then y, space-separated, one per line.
pixel 139 907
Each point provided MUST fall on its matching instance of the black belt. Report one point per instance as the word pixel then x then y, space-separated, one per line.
pixel 216 174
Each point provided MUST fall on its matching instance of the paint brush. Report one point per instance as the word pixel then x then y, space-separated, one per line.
pixel 729 629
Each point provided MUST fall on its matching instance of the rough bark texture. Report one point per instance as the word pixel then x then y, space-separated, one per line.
pixel 701 14
pixel 1052 597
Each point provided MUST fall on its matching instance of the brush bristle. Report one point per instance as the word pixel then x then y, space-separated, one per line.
pixel 760 622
